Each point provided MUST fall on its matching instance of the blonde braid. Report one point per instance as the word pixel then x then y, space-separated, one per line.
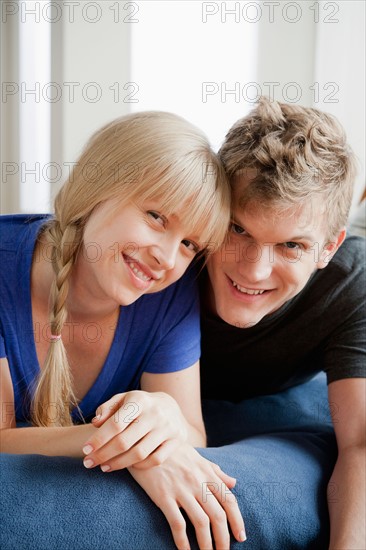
pixel 54 397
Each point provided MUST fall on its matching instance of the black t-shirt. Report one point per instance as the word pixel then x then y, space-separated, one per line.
pixel 322 328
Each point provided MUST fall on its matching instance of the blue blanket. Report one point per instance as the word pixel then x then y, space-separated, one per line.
pixel 280 448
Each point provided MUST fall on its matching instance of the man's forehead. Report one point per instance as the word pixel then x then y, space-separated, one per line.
pixel 307 219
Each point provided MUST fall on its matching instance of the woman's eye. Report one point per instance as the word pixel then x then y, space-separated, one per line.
pixel 193 247
pixel 291 245
pixel 235 228
pixel 157 217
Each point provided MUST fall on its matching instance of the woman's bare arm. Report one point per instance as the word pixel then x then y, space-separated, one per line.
pixel 50 441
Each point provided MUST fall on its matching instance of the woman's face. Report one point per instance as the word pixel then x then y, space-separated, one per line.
pixel 133 249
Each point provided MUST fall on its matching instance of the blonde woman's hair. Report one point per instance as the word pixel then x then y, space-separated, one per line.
pixel 298 154
pixel 142 156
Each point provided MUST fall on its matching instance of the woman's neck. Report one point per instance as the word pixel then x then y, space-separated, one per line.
pixel 80 305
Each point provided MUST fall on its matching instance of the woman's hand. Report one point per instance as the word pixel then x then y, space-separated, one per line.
pixel 135 427
pixel 192 483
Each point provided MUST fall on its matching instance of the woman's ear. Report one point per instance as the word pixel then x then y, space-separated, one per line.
pixel 330 248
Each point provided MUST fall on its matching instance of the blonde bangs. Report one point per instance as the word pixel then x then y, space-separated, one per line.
pixel 197 191
pixel 151 156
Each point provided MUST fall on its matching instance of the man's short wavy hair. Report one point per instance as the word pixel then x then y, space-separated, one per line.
pixel 298 154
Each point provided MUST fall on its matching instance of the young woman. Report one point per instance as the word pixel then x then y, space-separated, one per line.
pixel 96 300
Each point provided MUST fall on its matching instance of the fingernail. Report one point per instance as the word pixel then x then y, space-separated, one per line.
pixel 88 463
pixel 242 536
pixel 87 449
pixel 105 468
pixel 96 418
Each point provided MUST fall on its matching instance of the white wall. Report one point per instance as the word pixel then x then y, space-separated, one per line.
pixel 340 62
pixel 96 58
pixel 195 59
pixel 9 146
pixel 286 51
pixel 90 52
pixel 207 61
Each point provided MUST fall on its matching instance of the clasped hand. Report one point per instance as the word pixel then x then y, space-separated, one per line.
pixel 135 428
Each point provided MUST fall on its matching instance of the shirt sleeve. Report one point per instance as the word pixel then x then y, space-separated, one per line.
pixel 345 356
pixel 345 351
pixel 2 346
pixel 179 342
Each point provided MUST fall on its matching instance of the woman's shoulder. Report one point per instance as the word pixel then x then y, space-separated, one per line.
pixel 21 219
pixel 174 300
pixel 186 285
pixel 13 227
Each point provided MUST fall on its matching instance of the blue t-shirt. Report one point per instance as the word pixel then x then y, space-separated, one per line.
pixel 158 333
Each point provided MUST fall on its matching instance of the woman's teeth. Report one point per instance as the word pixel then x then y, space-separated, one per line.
pixel 139 273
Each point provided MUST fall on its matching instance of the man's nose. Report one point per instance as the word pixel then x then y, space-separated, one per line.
pixel 256 263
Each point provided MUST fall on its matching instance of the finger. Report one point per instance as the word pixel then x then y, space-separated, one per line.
pixel 121 419
pixel 219 527
pixel 118 449
pixel 199 520
pixel 108 409
pixel 209 499
pixel 133 438
pixel 234 517
pixel 228 480
pixel 177 524
pixel 231 508
pixel 159 455
pixel 144 448
pixel 97 420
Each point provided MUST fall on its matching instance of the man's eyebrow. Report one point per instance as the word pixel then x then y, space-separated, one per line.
pixel 234 220
pixel 305 237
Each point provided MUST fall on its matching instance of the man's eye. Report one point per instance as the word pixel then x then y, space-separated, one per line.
pixel 235 228
pixel 291 245
pixel 193 247
pixel 157 217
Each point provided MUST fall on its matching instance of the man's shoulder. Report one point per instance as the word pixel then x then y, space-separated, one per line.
pixel 342 283
pixel 351 255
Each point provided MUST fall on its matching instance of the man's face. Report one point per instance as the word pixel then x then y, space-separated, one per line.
pixel 268 259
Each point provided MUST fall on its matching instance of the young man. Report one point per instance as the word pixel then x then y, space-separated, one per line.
pixel 272 315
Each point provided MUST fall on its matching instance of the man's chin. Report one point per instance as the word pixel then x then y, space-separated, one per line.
pixel 237 320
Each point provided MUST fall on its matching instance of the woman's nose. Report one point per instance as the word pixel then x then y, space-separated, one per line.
pixel 166 254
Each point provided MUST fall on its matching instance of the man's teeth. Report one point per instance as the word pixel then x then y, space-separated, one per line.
pixel 139 273
pixel 247 290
